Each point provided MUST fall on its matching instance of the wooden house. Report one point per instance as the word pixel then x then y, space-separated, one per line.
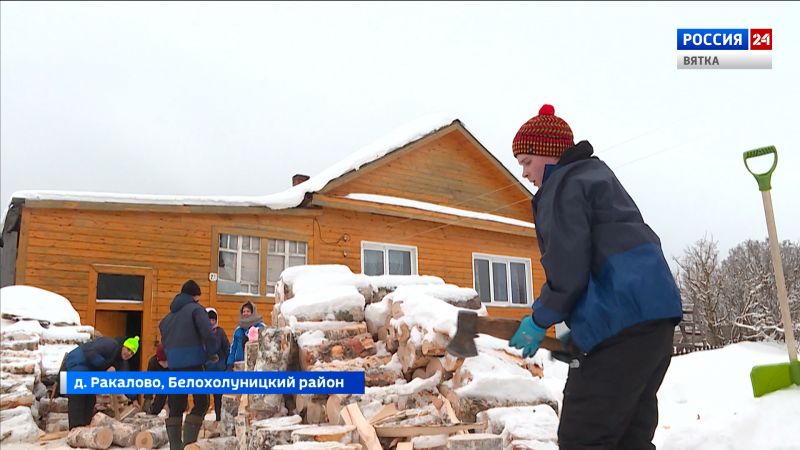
pixel 430 199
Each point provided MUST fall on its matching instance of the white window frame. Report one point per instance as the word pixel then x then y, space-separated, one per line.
pixel 385 247
pixel 239 253
pixel 286 255
pixel 507 260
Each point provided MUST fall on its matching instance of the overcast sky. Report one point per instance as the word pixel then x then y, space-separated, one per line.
pixel 232 99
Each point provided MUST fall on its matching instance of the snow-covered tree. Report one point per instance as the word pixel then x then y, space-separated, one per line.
pixel 699 283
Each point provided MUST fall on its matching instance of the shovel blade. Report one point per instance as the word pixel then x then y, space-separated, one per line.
pixel 770 378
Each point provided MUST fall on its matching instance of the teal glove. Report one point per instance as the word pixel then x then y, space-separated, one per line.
pixel 528 337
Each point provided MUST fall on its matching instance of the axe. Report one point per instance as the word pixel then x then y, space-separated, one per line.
pixel 470 324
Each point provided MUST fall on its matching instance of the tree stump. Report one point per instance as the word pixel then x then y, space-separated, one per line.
pixel 123 434
pixel 475 442
pixel 99 438
pixel 274 355
pixel 155 437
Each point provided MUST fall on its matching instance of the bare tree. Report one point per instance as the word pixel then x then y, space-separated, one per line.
pixel 699 281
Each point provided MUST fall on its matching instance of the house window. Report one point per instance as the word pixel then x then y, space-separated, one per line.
pixel 282 255
pixel 112 287
pixel 388 259
pixel 239 264
pixel 502 280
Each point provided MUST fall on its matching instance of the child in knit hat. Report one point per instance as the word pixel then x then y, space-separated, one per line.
pixel 607 279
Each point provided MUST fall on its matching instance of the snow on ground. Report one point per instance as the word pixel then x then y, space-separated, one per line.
pixel 28 302
pixel 706 401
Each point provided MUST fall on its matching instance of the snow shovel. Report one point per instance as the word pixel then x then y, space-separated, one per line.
pixel 772 377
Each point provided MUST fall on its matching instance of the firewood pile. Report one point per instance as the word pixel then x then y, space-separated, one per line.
pixel 395 329
pixel 31 352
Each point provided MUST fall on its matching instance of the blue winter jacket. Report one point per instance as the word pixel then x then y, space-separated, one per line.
pixel 604 266
pixel 237 346
pixel 96 355
pixel 186 334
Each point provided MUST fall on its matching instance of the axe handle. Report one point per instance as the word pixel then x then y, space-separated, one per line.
pixel 504 328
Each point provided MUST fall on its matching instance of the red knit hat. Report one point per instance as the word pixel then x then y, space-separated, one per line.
pixel 543 135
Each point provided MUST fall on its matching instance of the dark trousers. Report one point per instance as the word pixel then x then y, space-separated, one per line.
pixel 80 409
pixel 177 402
pixel 218 406
pixel 155 403
pixel 610 400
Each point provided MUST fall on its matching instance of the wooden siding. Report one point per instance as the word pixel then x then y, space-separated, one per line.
pixel 442 250
pixel 60 246
pixel 449 170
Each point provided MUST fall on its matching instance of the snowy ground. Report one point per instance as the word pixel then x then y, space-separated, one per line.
pixel 706 401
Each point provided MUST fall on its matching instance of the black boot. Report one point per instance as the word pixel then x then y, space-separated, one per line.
pixel 191 428
pixel 174 432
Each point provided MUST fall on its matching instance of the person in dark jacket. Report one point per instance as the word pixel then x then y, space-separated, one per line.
pixel 221 363
pixel 607 279
pixel 98 355
pixel 248 317
pixel 153 404
pixel 188 344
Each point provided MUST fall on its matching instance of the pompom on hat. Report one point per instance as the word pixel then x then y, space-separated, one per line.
pixel 132 344
pixel 543 135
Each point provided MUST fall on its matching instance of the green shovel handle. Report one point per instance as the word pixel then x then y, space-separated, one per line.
pixel 763 179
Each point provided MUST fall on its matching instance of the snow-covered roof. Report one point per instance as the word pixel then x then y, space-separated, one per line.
pixel 465 213
pixel 289 198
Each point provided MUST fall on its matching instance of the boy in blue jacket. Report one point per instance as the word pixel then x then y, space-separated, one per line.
pixel 607 279
pixel 99 355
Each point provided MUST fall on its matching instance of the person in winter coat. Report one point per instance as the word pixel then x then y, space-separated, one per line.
pixel 221 364
pixel 607 279
pixel 99 355
pixel 247 318
pixel 188 343
pixel 153 404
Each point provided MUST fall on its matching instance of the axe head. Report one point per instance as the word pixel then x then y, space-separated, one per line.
pixel 463 343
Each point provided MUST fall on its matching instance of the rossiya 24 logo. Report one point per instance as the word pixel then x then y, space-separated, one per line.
pixel 724 48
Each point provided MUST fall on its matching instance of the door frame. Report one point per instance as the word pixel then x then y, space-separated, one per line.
pixel 147 338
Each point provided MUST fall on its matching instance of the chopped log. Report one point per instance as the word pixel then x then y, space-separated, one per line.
pixel 124 434
pixel 435 344
pixel 220 443
pixel 377 370
pixel 411 357
pixel 467 407
pixel 269 437
pixel 405 446
pixel 155 437
pixel 403 332
pixel 318 446
pixel 56 422
pixel 315 409
pixel 435 366
pixel 352 415
pixel 361 345
pixel 229 410
pixel 20 397
pixel 274 355
pixel 330 329
pixel 144 421
pixel 475 442
pixel 53 405
pixel 386 411
pixel 53 436
pixel 90 437
pixel 432 442
pixel 14 382
pixel 419 373
pixel 344 434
